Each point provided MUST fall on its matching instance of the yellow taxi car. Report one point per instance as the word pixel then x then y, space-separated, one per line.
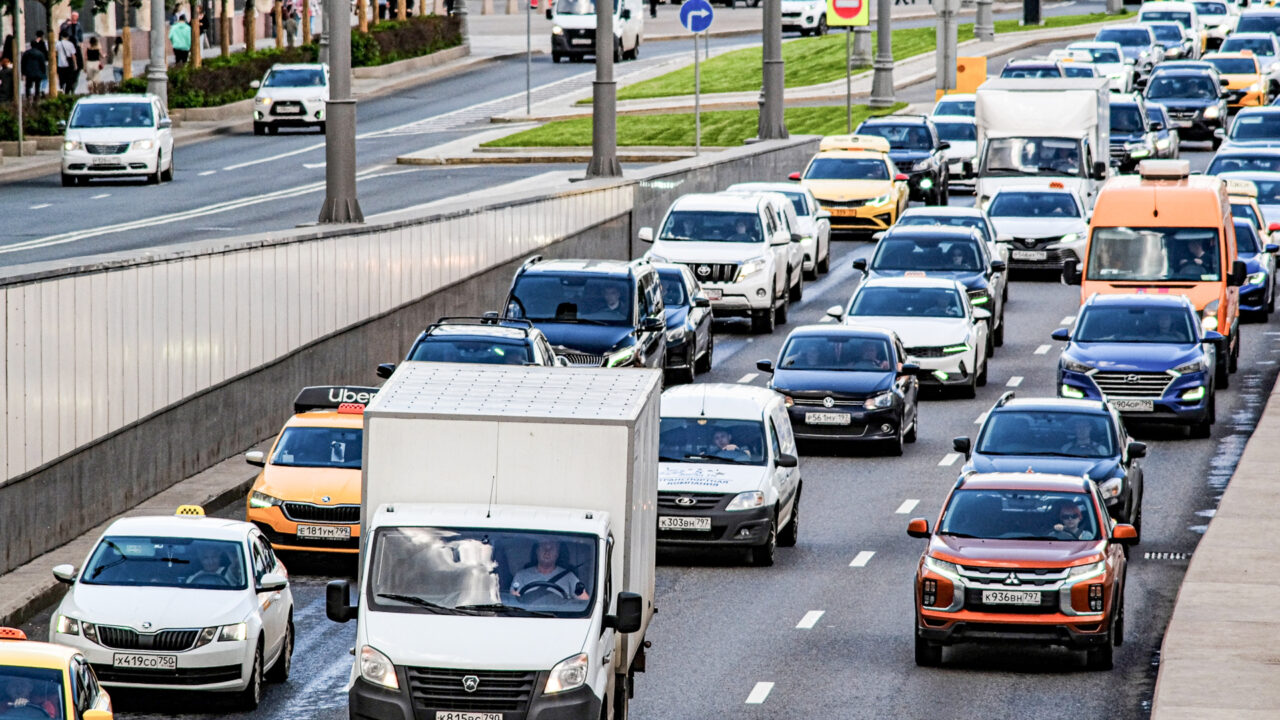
pixel 307 496
pixel 44 681
pixel 1245 83
pixel 856 183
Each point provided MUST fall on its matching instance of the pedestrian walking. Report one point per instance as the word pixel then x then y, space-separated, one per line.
pixel 180 39
pixel 68 72
pixel 71 26
pixel 117 60
pixel 653 8
pixel 6 79
pixel 290 25
pixel 35 68
pixel 93 65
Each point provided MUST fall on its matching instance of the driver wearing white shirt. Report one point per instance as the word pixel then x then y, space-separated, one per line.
pixel 548 572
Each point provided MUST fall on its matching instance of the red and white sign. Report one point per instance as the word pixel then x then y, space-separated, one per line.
pixel 847 12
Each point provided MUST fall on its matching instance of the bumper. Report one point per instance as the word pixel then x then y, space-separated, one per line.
pixel 1253 298
pixel 1197 128
pixel 309 116
pixel 740 528
pixel 1168 408
pixel 282 532
pixel 369 702
pixel 956 173
pixel 680 354
pixel 218 666
pixel 864 425
pixel 742 298
pixel 866 217
pixel 1049 258
pixel 1079 633
pixel 567 46
pixel 132 162
pixel 946 371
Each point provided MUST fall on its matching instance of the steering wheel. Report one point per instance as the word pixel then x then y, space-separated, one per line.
pixel 24 712
pixel 206 577
pixel 543 586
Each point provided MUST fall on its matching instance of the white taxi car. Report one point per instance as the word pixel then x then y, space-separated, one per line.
pixel 117 136
pixel 182 602
pixel 291 95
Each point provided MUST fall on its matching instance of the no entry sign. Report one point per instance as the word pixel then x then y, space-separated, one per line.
pixel 844 13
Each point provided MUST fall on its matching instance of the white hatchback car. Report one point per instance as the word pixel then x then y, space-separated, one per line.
pixel 291 96
pixel 183 602
pixel 812 222
pixel 1108 58
pixel 117 136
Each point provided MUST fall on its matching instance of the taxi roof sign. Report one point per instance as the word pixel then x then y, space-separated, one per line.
pixel 869 143
pixel 8 633
pixel 1244 188
pixel 333 397
pixel 190 511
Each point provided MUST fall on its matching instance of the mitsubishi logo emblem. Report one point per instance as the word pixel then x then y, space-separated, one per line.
pixel 828 402
pixel 685 500
pixel 1012 579
pixel 704 270
pixel 1131 379
pixel 470 683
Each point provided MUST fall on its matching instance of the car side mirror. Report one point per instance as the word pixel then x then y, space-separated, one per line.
pixel 878 236
pixel 1220 134
pixel 1271 248
pixel 860 265
pixel 1061 335
pixel 1099 171
pixel 1224 82
pixel 62 126
pixel 165 123
pixel 628 613
pixel 65 574
pixel 944 145
pixel 967 167
pixel 765 366
pixel 1273 227
pixel 654 324
pixel 256 457
pixel 701 301
pixel 272 582
pixel 1130 61
pixel 918 528
pixel 796 237
pixel 1239 271
pixel 1139 83
pixel 1125 534
pixel 780 239
pixel 910 368
pixel 255 84
pixel 646 234
pixel 998 266
pixel 386 370
pixel 1213 337
pixel 1137 450
pixel 336 607
pixel 1155 126
pixel 836 311
pixel 794 176
pixel 786 460
pixel 900 177
pixel 1070 272
pixel 962 445
pixel 823 215
pixel 981 314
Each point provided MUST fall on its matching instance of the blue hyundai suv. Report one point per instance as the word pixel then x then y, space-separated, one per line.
pixel 1067 437
pixel 1144 354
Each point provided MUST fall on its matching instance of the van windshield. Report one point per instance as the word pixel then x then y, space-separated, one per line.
pixel 1032 156
pixel 1182 18
pixel 711 440
pixel 1154 254
pixel 576 7
pixel 482 571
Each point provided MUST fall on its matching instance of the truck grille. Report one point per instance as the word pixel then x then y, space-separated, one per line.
pixel 668 501
pixel 495 691
pixel 122 638
pixel 306 512
pixel 112 149
pixel 1132 385
pixel 714 272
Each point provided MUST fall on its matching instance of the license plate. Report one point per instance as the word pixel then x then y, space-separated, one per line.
pixel 1134 405
pixel 678 522
pixel 580 41
pixel 1183 123
pixel 843 212
pixel 145 662
pixel 713 293
pixel 289 110
pixel 104 161
pixel 456 715
pixel 1007 597
pixel 827 419
pixel 1029 255
pixel 324 532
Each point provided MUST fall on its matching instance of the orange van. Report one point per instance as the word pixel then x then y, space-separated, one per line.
pixel 1167 231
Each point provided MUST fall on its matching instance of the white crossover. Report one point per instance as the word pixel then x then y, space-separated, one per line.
pixel 812 222
pixel 291 96
pixel 1108 58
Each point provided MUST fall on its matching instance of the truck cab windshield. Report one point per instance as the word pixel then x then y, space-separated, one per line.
pixel 1033 156
pixel 1154 254
pixel 483 571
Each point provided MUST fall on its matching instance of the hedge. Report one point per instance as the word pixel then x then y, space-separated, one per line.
pixel 37 118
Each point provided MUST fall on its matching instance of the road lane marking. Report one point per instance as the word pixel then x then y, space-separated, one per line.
pixel 312 166
pixel 907 506
pixel 981 419
pixel 862 558
pixel 809 620
pixel 99 197
pixel 281 156
pixel 41 206
pixel 749 377
pixel 207 173
pixel 1043 349
pixel 1068 320
pixel 949 459
pixel 759 693
pixel 1014 381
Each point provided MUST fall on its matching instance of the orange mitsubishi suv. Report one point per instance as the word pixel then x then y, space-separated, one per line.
pixel 1022 557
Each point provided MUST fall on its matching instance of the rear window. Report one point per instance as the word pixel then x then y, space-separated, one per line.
pixel 954 107
pixel 1178 16
pixel 1030 72
pixel 1167 33
pixel 1080 71
pixel 829 168
pixel 1256 126
pixel 483 350
pixel 1257 23
pixel 1235 66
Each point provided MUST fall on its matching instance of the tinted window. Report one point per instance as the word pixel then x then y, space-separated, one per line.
pixel 1155 113
pixel 1126 119
pixel 1102 323
pixel 1189 87
pixel 167 562
pixel 900 137
pixel 831 168
pixel 1257 23
pixel 295 78
pixel 964 221
pixel 1245 163
pixel 112 114
pixel 1247 239
pixel 709 226
pixel 1103 55
pixel 320 446
pixel 927 254
pixel 485 350
pixel 673 294
pixel 571 298
pixel 799 201
pixel 1259 46
pixel 907 302
pixel 1256 126
pixel 954 107
pixel 1045 432
pixel 1033 204
pixel 1182 18
pixel 1244 212
pixel 27 692
pixel 835 352
pixel 1128 38
pixel 1077 70
pixel 1167 33
pixel 1211 8
pixel 738 442
pixel 1019 515
pixel 957 131
pixel 1153 254
pixel 1235 65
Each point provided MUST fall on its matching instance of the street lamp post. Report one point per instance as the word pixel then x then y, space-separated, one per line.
pixel 157 73
pixel 984 25
pixel 773 123
pixel 340 203
pixel 604 100
pixel 861 46
pixel 882 79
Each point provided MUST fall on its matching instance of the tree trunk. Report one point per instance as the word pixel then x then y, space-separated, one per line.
pixel 306 22
pixel 278 14
pixel 126 49
pixel 225 33
pixel 194 5
pixel 362 9
pixel 401 10
pixel 250 25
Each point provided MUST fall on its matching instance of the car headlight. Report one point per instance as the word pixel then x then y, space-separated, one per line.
pixel 89 630
pixel 568 674
pixel 620 357
pixel 1084 572
pixel 143 144
pixel 1209 316
pixel 979 299
pixel 377 669
pixel 66 625
pixel 1190 367
pixel 232 633
pixel 557 30
pixel 1069 238
pixel 262 500
pixel 943 568
pixel 882 200
pixel 262 100
pixel 1075 366
pixel 953 349
pixel 1257 278
pixel 1111 487
pixel 751 267
pixel 1211 112
pixel 879 400
pixel 1256 87
pixel 749 500
pixel 1138 149
pixel 206 636
pixel 69 145
pixel 921 165
pixel 655 258
pixel 1163 143
pixel 674 335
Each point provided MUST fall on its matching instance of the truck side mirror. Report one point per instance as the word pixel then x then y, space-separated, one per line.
pixel 1238 273
pixel 1137 450
pixel 1099 171
pixel 628 613
pixel 786 460
pixel 386 370
pixel 1070 272
pixel 918 528
pixel 962 445
pixel 336 606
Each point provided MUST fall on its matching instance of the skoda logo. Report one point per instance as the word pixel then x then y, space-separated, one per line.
pixel 828 402
pixel 324 499
pixel 146 626
pixel 704 270
pixel 1012 579
pixel 1131 379
pixel 470 683
pixel 685 500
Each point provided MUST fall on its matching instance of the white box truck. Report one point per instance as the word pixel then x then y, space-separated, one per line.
pixel 509 527
pixel 1034 131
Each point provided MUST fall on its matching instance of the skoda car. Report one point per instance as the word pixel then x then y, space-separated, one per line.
pixel 117 136
pixel 848 384
pixel 1146 355
pixel 291 96
pixel 1044 226
pixel 917 151
pixel 690 342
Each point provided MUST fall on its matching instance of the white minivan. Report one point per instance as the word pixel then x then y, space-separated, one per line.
pixel 117 135
pixel 573 36
pixel 728 472
pixel 737 248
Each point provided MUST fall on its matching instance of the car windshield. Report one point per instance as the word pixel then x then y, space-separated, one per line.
pixel 1155 113
pixel 1235 66
pixel 1126 119
pixel 1040 71
pixel 673 294
pixel 836 352
pixel 924 253
pixel 1245 163
pixel 955 107
pixel 132 114
pixel 964 221
pixel 192 563
pixel 957 131
pixel 295 77
pixel 1188 87
pixel 1257 24
pixel 1033 204
pixel 1126 38
pixel 482 571
pixel 1032 156
pixel 1047 432
pixel 1078 70
pixel 303 446
pixel 576 7
pixel 712 226
pixel 1261 46
pixel 831 168
pixel 488 351
pixel 28 693
pixel 1178 16
pixel 1210 8
pixel 1167 32
pixel 711 440
pixel 1135 324
pixel 1256 126
pixel 906 302
pixel 572 298
pixel 1154 254
pixel 1244 212
pixel 1247 242
pixel 900 137
pixel 1102 55
pixel 1019 515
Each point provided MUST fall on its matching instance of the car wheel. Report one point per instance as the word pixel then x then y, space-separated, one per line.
pixel 780 310
pixel 323 127
pixel 893 447
pixel 703 364
pixel 797 290
pixel 927 654
pixel 764 321
pixel 681 376
pixel 998 335
pixel 970 389
pixel 982 374
pixel 824 263
pixel 762 555
pixel 811 274
pixel 791 533
pixel 1216 142
pixel 617 52
pixel 68 180
pixel 279 672
pixel 944 191
pixel 1271 302
pixel 1234 359
pixel 273 130
pixel 154 178
pixel 1221 373
pixel 1204 428
pixel 249 698
pixel 822 26
pixel 911 434
pixel 259 128
pixel 1117 635
pixel 167 175
pixel 555 57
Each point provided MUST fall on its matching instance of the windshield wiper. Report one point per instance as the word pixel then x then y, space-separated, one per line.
pixel 719 458
pixel 580 321
pixel 425 604
pixel 677 237
pixel 506 610
pixel 959 535
pixel 669 458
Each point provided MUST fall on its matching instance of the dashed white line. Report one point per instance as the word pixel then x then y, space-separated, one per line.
pixel 1068 320
pixel 809 620
pixel 1043 349
pixel 313 166
pixel 981 419
pixel 749 377
pixel 1014 381
pixel 949 459
pixel 862 558
pixel 99 197
pixel 907 506
pixel 207 173
pixel 41 206
pixel 759 693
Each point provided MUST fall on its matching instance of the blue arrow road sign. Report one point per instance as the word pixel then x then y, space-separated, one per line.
pixel 696 15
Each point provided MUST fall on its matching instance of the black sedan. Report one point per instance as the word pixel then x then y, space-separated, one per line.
pixel 847 383
pixel 689 339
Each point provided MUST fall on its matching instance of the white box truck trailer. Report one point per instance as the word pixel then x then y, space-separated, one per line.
pixel 508 524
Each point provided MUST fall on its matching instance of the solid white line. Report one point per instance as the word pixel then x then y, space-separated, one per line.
pixel 809 620
pixel 312 166
pixel 862 558
pixel 259 161
pixel 207 173
pixel 1014 381
pixel 1068 320
pixel 949 459
pixel 759 693
pixel 99 197
pixel 907 506
pixel 41 206
pixel 1043 349
pixel 749 377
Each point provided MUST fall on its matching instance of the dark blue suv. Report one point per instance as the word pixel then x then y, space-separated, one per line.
pixel 1144 354
pixel 1067 437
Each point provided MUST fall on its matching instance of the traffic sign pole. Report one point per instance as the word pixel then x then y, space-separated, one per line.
pixel 849 14
pixel 848 79
pixel 697 99
pixel 696 17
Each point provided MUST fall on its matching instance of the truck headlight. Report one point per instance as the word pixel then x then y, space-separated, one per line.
pixel 749 500
pixel 1075 366
pixel 751 267
pixel 1209 316
pixel 66 625
pixel 879 400
pixel 568 674
pixel 1257 278
pixel 1111 488
pixel 262 500
pixel 377 669
pixel 1211 112
pixel 232 633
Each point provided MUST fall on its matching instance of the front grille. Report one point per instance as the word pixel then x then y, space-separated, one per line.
pixel 701 501
pixel 843 203
pixel 306 512
pixel 181 676
pixel 106 149
pixel 1033 243
pixel 122 638
pixel 1028 578
pixel 583 359
pixel 714 272
pixel 1182 114
pixel 495 691
pixel 1119 153
pixel 1052 258
pixel 790 16
pixel 1132 385
pixel 834 403
pixel 1048 603
pixel 926 352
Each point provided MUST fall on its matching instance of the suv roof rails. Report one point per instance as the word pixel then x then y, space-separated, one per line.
pixel 494 320
pixel 527 263
pixel 1004 398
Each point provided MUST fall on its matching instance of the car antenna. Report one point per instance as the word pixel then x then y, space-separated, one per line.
pixel 702 411
pixel 493 485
